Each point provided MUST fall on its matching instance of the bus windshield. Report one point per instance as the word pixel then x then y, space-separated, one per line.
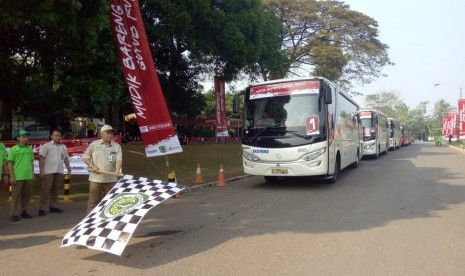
pixel 285 121
pixel 392 128
pixel 368 128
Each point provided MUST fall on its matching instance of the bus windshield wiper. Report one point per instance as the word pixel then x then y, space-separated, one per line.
pixel 261 131
pixel 306 137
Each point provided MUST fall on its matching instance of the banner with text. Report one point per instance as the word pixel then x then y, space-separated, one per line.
pixel 76 148
pixel 449 125
pixel 461 117
pixel 220 107
pixel 153 118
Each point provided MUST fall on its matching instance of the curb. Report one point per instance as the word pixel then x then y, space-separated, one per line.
pixel 457 148
pixel 211 184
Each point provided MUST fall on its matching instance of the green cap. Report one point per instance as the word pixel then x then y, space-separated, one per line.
pixel 22 132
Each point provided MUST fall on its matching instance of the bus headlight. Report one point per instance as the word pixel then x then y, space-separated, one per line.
pixel 369 144
pixel 251 157
pixel 313 155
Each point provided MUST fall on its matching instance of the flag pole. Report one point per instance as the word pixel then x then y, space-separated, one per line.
pixel 167 163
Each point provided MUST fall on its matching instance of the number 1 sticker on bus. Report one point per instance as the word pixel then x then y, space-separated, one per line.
pixel 312 125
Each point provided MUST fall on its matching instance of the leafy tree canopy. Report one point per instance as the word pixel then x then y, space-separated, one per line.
pixel 330 39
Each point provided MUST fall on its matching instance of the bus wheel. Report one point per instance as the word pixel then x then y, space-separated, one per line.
pixel 271 179
pixel 333 178
pixel 377 153
pixel 357 162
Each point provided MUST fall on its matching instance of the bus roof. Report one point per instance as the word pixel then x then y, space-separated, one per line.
pixel 310 78
pixel 372 110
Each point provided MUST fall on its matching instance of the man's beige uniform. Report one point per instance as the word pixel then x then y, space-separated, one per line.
pixel 54 155
pixel 104 157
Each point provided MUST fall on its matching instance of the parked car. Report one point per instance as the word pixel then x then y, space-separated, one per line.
pixel 38 132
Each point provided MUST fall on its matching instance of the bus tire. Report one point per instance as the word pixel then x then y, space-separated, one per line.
pixel 377 152
pixel 387 149
pixel 271 179
pixel 332 179
pixel 357 162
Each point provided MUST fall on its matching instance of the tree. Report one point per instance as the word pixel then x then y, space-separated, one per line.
pixel 418 121
pixel 211 37
pixel 440 111
pixel 389 103
pixel 55 56
pixel 330 39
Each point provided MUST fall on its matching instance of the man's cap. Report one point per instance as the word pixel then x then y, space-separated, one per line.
pixel 22 132
pixel 106 128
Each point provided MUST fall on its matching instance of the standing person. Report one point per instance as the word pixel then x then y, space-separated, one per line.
pixel 100 124
pixel 52 157
pixel 21 168
pixel 4 165
pixel 266 120
pixel 102 155
pixel 91 129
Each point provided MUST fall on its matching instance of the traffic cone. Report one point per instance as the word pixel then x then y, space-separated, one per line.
pixel 172 178
pixel 221 182
pixel 198 175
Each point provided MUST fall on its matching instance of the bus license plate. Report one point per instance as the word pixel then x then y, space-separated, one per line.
pixel 278 171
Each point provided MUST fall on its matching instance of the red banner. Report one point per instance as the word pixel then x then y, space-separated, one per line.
pixel 449 125
pixel 444 127
pixel 75 146
pixel 461 117
pixel 284 89
pixel 220 107
pixel 153 118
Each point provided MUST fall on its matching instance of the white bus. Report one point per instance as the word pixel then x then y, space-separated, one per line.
pixel 375 132
pixel 314 129
pixel 394 134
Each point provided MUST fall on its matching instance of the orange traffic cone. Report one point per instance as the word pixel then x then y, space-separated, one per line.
pixel 172 178
pixel 221 182
pixel 198 175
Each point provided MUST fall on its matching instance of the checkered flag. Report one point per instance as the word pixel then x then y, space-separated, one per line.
pixel 111 224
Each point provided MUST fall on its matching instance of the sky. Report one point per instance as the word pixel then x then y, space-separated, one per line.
pixel 426 40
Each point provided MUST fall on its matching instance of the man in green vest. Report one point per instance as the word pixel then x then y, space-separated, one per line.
pixel 21 168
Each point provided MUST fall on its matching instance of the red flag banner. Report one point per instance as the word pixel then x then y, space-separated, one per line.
pixel 452 123
pixel 220 106
pixel 153 118
pixel 461 117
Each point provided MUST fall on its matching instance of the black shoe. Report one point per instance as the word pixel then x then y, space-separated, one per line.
pixel 14 218
pixel 42 213
pixel 55 210
pixel 24 214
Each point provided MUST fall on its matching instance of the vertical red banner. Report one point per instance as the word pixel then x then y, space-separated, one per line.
pixel 461 116
pixel 149 104
pixel 452 124
pixel 220 107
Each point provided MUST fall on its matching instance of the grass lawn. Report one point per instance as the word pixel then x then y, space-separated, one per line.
pixel 184 164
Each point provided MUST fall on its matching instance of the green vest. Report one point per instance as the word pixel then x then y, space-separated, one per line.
pixel 22 158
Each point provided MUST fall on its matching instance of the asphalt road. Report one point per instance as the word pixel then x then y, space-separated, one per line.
pixel 401 214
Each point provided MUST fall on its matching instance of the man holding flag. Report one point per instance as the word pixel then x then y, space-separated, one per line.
pixel 104 158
